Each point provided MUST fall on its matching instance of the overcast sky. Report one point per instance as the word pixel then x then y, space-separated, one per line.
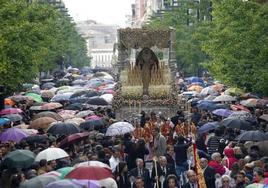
pixel 103 11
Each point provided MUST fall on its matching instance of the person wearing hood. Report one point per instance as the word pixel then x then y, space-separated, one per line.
pixel 229 158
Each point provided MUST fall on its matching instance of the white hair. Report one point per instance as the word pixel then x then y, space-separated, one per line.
pixel 214 155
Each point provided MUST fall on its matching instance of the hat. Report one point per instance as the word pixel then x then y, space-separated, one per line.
pixel 116 148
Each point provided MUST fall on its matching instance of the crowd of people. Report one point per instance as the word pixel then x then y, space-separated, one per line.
pixel 161 152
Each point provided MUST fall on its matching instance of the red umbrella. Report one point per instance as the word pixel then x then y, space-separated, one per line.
pixel 238 107
pixel 10 111
pixel 90 173
pixel 73 138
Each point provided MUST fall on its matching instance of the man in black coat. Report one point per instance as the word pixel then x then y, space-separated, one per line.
pixel 192 180
pixel 140 171
pixel 163 169
pixel 209 173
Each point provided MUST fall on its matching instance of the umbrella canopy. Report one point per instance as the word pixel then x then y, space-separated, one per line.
pixel 76 121
pixel 85 113
pixel 51 154
pixel 224 98
pixel 47 94
pixel 91 183
pixel 12 134
pixel 13 117
pixel 62 97
pixel 4 121
pixel 48 85
pixel 252 136
pixel 119 128
pixel 238 107
pixel 39 181
pixel 67 114
pixel 92 125
pixel 60 128
pixel 261 103
pixel 89 173
pixel 207 105
pixel 35 97
pixel 63 184
pixel 196 88
pixel 97 101
pixel 10 111
pixel 93 163
pixel 33 139
pixel 91 94
pixel 93 117
pixel 19 159
pixel 64 171
pixel 249 102
pixel 208 91
pixel 107 97
pixel 222 112
pixel 53 115
pixel 42 123
pixel 236 123
pixel 208 127
pixel 51 106
pixel 243 115
pixel 264 117
pixel 20 98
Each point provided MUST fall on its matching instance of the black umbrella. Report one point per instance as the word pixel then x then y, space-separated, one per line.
pixel 53 115
pixel 48 85
pixel 79 100
pixel 252 136
pixel 63 129
pixel 13 117
pixel 78 94
pixel 97 101
pixel 75 106
pixel 92 125
pixel 36 139
pixel 91 94
pixel 236 123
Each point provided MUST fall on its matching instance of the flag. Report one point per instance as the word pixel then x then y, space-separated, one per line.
pixel 198 169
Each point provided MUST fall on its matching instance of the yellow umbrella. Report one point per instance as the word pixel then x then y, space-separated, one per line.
pixel 196 88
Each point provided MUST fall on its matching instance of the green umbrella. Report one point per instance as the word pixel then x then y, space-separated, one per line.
pixel 64 171
pixel 19 159
pixel 35 97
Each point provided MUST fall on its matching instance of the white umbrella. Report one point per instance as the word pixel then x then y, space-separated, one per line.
pixel 119 128
pixel 224 98
pixel 208 91
pixel 108 98
pixel 93 163
pixel 51 154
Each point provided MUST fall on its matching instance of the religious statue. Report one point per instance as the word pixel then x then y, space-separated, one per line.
pixel 146 60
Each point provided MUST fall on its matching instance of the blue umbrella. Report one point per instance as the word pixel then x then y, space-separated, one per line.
pixel 4 121
pixel 208 127
pixel 222 112
pixel 207 105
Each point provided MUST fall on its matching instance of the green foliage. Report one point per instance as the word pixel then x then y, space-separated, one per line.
pixel 33 37
pixel 188 39
pixel 238 44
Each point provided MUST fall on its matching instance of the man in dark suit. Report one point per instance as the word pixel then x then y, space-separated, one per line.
pixel 170 155
pixel 192 180
pixel 163 169
pixel 209 173
pixel 140 171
